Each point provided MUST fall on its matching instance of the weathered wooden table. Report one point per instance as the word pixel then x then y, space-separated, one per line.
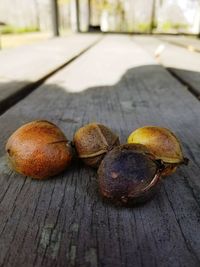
pixel 63 221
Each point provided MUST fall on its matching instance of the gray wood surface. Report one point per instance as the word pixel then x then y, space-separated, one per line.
pixel 182 63
pixel 63 221
pixel 23 67
pixel 190 78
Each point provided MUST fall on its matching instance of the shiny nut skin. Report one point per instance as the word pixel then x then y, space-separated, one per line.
pixel 162 143
pixel 38 149
pixel 93 141
pixel 129 175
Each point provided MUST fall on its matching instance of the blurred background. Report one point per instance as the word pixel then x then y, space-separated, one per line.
pixel 28 21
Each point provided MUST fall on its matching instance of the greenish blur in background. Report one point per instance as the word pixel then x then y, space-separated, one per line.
pixel 34 17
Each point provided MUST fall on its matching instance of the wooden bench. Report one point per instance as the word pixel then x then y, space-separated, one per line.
pixel 63 221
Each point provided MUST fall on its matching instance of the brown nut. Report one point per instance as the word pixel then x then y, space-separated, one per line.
pixel 129 174
pixel 93 141
pixel 38 149
pixel 162 143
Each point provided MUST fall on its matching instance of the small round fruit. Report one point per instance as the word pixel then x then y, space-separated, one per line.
pixel 38 149
pixel 93 141
pixel 129 174
pixel 162 143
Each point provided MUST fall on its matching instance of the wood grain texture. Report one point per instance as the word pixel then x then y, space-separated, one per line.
pixel 63 221
pixel 23 68
pixel 182 63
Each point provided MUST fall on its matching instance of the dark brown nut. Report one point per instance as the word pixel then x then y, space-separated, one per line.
pixel 129 174
pixel 38 149
pixel 162 143
pixel 93 141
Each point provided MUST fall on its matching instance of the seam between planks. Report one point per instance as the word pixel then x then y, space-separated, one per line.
pixel 190 88
pixel 27 89
pixel 197 50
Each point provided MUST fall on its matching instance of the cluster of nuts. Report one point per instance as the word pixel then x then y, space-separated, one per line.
pixel 127 174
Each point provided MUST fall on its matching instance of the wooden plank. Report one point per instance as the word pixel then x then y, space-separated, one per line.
pixel 190 43
pixel 63 221
pixel 183 63
pixel 27 65
pixel 190 77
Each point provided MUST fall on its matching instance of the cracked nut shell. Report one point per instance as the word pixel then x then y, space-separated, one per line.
pixel 93 141
pixel 128 175
pixel 38 149
pixel 162 143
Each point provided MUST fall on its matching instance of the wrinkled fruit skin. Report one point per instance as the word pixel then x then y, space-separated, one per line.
pixel 162 143
pixel 128 175
pixel 38 149
pixel 93 141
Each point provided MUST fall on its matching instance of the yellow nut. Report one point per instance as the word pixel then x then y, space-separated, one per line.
pixel 162 143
